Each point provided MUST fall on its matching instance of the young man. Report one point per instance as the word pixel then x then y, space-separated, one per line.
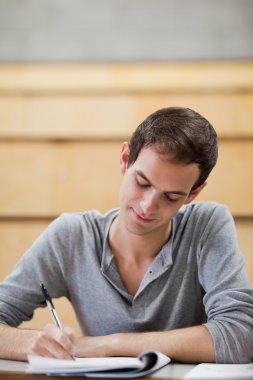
pixel 159 272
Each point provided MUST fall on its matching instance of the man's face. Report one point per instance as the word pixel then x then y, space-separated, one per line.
pixel 153 190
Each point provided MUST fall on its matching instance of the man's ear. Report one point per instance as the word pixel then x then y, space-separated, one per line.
pixel 194 193
pixel 124 155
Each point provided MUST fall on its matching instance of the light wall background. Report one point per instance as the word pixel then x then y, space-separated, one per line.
pixel 123 30
pixel 78 76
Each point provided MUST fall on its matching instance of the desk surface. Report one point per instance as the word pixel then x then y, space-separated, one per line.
pixel 14 370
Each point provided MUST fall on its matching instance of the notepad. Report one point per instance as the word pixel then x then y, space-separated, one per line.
pixel 125 367
pixel 221 371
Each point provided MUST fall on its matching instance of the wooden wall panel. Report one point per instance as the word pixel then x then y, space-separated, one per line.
pixel 44 179
pixel 116 116
pixel 16 237
pixel 231 181
pixel 192 77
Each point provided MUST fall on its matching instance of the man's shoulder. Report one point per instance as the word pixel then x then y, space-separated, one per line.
pixel 203 207
pixel 202 219
pixel 203 212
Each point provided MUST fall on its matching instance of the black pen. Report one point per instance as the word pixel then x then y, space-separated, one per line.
pixel 50 305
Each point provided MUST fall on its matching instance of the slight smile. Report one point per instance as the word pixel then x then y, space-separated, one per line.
pixel 141 219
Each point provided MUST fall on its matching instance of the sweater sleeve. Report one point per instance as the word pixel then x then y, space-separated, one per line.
pixel 228 298
pixel 20 293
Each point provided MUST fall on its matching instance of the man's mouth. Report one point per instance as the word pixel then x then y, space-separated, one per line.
pixel 141 218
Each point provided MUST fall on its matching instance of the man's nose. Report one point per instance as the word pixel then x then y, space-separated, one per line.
pixel 149 202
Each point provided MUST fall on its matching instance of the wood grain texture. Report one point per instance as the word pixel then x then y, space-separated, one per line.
pixel 115 117
pixel 138 77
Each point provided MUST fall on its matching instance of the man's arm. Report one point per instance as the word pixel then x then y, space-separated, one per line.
pixel 17 343
pixel 192 344
pixel 188 345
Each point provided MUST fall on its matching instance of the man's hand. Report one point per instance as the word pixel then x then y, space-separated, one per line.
pixel 54 342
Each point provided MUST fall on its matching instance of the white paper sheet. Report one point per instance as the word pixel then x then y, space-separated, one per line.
pixel 221 371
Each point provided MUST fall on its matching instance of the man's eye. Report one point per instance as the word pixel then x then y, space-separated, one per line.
pixel 141 183
pixel 170 199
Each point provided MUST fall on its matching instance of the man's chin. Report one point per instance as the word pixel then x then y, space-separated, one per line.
pixel 139 230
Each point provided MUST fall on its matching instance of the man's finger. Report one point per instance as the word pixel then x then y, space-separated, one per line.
pixel 44 345
pixel 65 338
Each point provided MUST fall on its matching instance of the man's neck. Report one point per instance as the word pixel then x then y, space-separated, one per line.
pixel 136 247
pixel 134 253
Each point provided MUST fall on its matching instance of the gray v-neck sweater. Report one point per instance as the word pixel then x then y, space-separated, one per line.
pixel 197 278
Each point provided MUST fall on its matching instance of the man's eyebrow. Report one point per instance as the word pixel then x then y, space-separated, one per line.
pixel 178 192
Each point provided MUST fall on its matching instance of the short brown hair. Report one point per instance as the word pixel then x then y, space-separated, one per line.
pixel 182 132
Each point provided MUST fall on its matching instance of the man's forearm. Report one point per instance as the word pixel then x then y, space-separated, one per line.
pixel 189 345
pixel 193 344
pixel 15 343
